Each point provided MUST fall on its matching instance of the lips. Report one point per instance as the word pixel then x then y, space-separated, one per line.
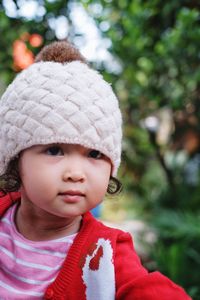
pixel 72 196
pixel 72 193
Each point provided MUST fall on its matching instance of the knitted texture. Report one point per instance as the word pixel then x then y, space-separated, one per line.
pixel 51 102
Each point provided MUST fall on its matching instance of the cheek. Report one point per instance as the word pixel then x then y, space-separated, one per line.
pixel 108 171
pixel 30 175
pixel 25 170
pixel 104 178
pixel 34 186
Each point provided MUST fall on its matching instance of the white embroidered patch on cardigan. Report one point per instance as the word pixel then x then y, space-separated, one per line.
pixel 98 272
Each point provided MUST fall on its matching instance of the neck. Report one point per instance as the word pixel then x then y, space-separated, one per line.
pixel 37 225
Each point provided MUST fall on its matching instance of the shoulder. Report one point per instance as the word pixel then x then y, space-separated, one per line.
pixel 6 200
pixel 119 242
pixel 102 230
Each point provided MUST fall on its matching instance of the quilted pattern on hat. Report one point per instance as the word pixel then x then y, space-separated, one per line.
pixel 59 103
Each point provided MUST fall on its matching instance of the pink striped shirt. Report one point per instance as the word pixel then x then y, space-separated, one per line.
pixel 27 267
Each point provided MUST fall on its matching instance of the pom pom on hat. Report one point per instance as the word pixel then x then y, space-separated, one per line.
pixel 60 99
pixel 61 52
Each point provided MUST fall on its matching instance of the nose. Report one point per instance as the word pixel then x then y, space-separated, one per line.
pixel 74 171
pixel 73 176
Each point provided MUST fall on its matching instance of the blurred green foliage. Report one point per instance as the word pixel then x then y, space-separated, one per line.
pixel 156 45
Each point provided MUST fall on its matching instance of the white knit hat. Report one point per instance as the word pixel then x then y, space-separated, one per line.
pixel 52 102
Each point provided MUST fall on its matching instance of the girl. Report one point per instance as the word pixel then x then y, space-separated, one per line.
pixel 60 147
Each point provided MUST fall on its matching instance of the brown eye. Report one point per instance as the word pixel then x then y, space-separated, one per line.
pixel 54 151
pixel 95 154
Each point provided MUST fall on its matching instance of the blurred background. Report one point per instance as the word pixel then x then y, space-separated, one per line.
pixel 150 52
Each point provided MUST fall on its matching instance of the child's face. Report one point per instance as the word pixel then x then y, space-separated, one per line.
pixel 64 180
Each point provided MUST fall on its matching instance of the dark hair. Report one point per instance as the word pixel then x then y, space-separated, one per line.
pixel 114 186
pixel 10 181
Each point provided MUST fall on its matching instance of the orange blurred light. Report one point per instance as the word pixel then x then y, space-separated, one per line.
pixel 22 56
pixel 35 40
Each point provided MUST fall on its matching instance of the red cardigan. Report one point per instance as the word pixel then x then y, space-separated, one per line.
pixel 103 265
